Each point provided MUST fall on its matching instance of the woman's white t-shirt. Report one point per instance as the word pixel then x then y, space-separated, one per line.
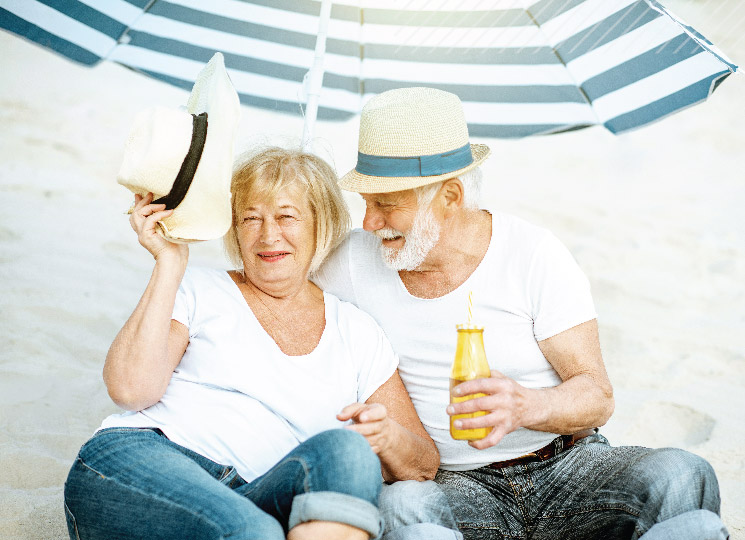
pixel 237 399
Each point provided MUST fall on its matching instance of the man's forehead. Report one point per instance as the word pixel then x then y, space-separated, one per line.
pixel 390 197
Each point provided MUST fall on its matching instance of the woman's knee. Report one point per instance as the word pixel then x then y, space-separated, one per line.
pixel 342 460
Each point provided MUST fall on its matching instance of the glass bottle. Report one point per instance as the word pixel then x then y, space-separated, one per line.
pixel 469 363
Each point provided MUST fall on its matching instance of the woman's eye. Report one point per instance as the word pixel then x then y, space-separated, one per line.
pixel 286 216
pixel 249 219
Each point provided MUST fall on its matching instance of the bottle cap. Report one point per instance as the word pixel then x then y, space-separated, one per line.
pixel 468 326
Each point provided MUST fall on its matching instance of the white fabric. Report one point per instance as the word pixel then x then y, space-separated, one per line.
pixel 237 399
pixel 527 288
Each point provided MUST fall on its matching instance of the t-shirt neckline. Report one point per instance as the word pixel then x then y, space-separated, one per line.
pixel 237 291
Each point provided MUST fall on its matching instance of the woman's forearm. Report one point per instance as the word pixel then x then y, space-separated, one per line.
pixel 409 456
pixel 137 368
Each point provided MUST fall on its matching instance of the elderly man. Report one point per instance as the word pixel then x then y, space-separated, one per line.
pixel 543 471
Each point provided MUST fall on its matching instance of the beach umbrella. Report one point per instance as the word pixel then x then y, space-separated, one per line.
pixel 520 67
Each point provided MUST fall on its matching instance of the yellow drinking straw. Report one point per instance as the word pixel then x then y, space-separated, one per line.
pixel 470 306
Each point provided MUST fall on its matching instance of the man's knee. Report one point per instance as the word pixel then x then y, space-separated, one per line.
pixel 410 502
pixel 688 480
pixel 694 525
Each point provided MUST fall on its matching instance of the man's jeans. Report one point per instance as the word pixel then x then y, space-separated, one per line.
pixel 591 491
pixel 134 483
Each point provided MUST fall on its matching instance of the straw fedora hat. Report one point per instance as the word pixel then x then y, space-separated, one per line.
pixel 185 157
pixel 411 137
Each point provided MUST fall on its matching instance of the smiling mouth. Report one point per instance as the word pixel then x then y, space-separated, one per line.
pixel 392 239
pixel 272 256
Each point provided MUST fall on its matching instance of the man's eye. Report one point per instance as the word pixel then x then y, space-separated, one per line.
pixel 286 216
pixel 251 218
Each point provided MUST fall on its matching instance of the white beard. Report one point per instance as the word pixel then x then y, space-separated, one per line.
pixel 418 242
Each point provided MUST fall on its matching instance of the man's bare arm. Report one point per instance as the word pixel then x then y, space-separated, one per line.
pixel 584 399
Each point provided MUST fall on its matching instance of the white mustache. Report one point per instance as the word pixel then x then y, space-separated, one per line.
pixel 388 234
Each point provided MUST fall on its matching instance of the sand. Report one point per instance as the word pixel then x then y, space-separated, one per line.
pixel 654 217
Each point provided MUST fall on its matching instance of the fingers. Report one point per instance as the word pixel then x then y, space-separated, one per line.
pixel 368 429
pixel 490 440
pixel 370 421
pixel 374 433
pixel 145 215
pixel 489 385
pixel 483 403
pixel 362 412
pixel 348 412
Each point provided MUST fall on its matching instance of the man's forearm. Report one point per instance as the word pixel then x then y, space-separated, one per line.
pixel 576 404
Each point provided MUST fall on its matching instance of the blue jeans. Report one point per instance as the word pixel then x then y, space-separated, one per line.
pixel 416 511
pixel 129 483
pixel 590 491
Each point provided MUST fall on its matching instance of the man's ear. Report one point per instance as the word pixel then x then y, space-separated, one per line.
pixel 452 195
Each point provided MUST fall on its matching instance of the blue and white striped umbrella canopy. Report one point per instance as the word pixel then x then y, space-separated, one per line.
pixel 521 67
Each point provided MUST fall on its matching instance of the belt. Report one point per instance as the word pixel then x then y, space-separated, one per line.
pixel 555 447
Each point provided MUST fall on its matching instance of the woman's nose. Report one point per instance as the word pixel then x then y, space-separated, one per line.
pixel 270 231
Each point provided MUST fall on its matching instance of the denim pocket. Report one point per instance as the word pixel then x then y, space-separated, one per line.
pixel 72 525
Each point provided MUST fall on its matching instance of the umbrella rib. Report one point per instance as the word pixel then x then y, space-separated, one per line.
pixel 556 53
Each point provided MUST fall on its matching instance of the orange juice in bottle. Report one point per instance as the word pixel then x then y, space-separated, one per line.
pixel 469 363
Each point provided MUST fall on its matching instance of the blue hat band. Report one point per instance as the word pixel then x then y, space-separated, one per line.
pixel 432 165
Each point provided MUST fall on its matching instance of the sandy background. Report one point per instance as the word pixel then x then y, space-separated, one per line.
pixel 655 218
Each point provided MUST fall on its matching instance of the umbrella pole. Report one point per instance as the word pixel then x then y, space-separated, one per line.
pixel 314 77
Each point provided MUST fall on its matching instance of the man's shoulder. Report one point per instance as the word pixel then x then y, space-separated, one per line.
pixel 359 249
pixel 361 239
pixel 518 234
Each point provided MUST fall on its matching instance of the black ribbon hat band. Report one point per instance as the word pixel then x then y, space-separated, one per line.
pixel 189 166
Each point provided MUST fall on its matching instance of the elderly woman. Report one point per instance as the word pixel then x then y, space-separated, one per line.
pixel 260 407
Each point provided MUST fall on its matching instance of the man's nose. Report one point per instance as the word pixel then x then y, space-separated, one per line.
pixel 373 220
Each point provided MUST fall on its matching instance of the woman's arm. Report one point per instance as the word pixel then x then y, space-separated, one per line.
pixel 390 423
pixel 150 345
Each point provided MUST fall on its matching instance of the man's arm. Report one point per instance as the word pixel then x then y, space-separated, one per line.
pixel 584 399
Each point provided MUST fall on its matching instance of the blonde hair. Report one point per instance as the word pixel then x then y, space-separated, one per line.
pixel 264 174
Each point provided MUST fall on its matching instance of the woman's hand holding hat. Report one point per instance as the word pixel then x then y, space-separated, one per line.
pixel 144 221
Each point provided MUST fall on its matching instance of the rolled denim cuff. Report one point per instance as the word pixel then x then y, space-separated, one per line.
pixel 333 506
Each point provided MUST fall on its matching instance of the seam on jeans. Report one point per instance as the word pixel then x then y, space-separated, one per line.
pixel 226 471
pixel 74 521
pixel 158 497
pixel 482 525
pixel 620 506
pixel 306 471
pixel 84 464
pixel 518 498
pixel 120 430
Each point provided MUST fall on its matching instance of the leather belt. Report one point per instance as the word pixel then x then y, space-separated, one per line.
pixel 555 447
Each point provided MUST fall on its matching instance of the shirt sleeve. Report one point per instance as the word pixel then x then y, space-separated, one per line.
pixel 334 275
pixel 558 289
pixel 183 307
pixel 373 354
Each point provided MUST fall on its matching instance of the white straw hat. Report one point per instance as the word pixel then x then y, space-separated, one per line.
pixel 411 137
pixel 185 157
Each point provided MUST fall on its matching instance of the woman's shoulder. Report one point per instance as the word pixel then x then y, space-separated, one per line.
pixel 348 317
pixel 200 277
